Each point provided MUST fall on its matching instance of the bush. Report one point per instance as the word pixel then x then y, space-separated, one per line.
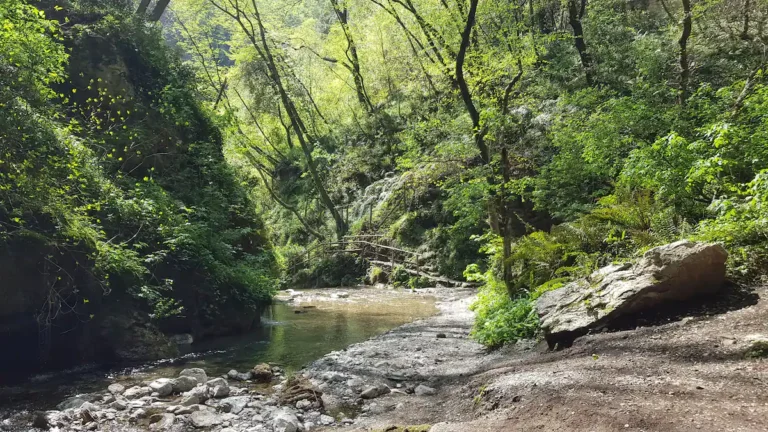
pixel 501 319
pixel 399 277
pixel 377 275
pixel 419 282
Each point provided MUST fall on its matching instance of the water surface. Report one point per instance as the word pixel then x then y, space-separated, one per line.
pixel 286 338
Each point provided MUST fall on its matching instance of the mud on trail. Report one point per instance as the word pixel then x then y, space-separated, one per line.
pixel 688 374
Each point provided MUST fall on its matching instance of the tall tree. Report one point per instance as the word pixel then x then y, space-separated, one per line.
pixel 249 20
pixel 342 14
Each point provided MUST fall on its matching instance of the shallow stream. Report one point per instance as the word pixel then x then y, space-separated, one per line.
pixel 293 334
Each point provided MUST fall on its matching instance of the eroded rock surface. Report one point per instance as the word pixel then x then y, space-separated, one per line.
pixel 671 273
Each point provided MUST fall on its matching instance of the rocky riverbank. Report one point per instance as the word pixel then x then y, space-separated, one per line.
pixel 238 402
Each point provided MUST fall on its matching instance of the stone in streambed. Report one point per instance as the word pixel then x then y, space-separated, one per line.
pixel 161 421
pixel 71 403
pixel 285 421
pixel 218 387
pixel 137 392
pixel 163 386
pixel 204 419
pixel 198 374
pixel 234 405
pixel 116 389
pixel 373 392
pixel 422 390
pixel 262 373
pixel 183 384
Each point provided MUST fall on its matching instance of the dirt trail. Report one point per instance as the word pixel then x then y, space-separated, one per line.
pixel 686 375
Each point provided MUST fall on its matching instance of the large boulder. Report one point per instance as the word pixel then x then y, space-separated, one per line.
pixel 671 273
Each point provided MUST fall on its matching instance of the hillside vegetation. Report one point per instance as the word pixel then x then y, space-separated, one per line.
pixel 520 145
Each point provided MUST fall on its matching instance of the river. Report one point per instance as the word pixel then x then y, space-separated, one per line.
pixel 325 322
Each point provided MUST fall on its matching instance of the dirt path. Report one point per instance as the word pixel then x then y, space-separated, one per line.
pixel 682 376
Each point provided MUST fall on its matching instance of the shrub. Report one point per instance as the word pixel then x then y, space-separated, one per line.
pixel 376 275
pixel 419 282
pixel 399 277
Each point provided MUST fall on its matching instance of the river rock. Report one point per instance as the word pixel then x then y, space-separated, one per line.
pixel 87 412
pixel 137 392
pixel 285 421
pixel 671 273
pixel 116 389
pixel 234 405
pixel 182 339
pixel 200 392
pixel 204 419
pixel 183 384
pixel 139 413
pixel 198 374
pixel 239 376
pixel 71 403
pixel 218 388
pixel 188 400
pixel 119 404
pixel 163 386
pixel 422 390
pixel 161 421
pixel 326 420
pixel 372 392
pixel 262 373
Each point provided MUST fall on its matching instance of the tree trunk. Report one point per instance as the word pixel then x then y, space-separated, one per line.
pixel 685 71
pixel 298 126
pixel 342 13
pixel 157 12
pixel 477 131
pixel 142 9
pixel 575 14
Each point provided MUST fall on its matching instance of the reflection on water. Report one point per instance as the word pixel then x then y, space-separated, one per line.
pixel 293 339
pixel 286 338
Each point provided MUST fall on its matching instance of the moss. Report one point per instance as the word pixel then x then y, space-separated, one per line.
pixel 757 349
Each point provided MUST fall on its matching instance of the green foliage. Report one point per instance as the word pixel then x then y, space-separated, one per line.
pixel 337 270
pixel 119 170
pixel 377 275
pixel 499 318
pixel 416 282
pixel 399 277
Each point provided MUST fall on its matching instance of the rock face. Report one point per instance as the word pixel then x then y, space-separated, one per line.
pixel 674 272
